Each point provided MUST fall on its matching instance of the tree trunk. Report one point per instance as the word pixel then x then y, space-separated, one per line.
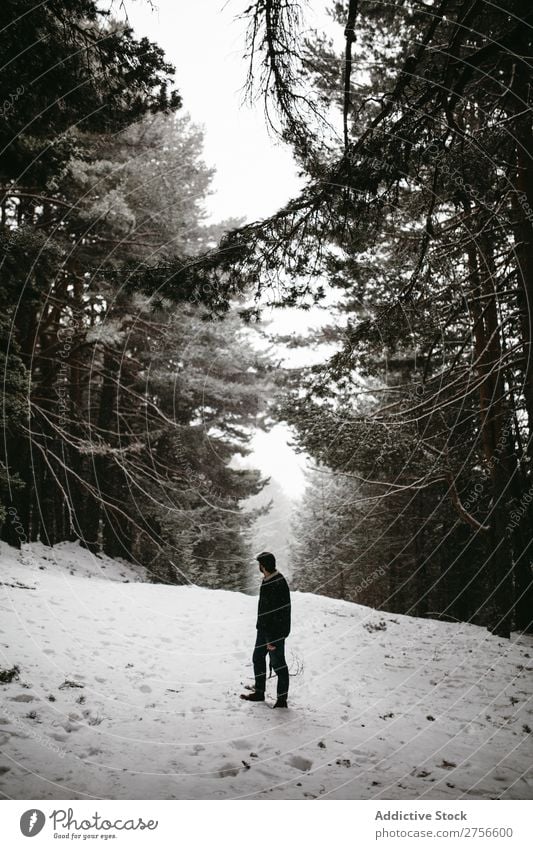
pixel 522 205
pixel 496 608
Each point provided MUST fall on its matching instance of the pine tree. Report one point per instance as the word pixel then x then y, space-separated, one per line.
pixel 135 404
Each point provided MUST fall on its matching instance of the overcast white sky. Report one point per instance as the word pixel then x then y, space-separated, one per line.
pixel 205 41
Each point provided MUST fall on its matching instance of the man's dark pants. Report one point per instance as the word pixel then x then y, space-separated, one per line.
pixel 279 665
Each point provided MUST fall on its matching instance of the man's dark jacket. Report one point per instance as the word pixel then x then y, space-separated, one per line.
pixel 274 611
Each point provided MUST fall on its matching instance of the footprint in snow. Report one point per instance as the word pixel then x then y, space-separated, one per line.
pixel 300 763
pixel 145 688
pixel 241 744
pixel 229 770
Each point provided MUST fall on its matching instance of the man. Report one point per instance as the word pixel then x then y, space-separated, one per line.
pixel 273 626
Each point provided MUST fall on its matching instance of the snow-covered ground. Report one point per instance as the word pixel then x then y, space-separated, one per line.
pixel 131 690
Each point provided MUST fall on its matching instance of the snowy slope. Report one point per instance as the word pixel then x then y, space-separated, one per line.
pixel 130 690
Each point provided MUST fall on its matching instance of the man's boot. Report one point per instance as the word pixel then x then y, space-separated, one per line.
pixel 281 702
pixel 255 696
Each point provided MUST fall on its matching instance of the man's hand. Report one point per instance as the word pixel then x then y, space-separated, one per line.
pixel 271 647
